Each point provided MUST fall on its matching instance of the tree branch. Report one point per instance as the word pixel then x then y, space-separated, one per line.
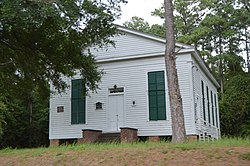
pixel 6 63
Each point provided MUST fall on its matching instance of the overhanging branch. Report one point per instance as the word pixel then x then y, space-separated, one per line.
pixel 6 63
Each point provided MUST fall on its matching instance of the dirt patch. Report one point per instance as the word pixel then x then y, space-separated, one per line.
pixel 134 156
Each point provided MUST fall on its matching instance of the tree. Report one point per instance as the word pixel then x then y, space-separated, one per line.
pixel 44 40
pixel 19 127
pixel 187 16
pixel 2 119
pixel 158 30
pixel 140 24
pixel 235 108
pixel 41 42
pixel 226 24
pixel 243 23
pixel 177 116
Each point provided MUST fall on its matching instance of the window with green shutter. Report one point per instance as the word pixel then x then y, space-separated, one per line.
pixel 208 106
pixel 216 111
pixel 77 102
pixel 203 101
pixel 156 93
pixel 212 103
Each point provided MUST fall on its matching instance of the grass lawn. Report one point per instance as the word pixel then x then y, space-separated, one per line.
pixel 223 152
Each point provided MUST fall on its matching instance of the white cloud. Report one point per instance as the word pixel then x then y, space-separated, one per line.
pixel 140 8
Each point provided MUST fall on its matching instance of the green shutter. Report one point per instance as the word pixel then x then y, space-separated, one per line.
pixel 74 108
pixel 212 103
pixel 77 102
pixel 156 91
pixel 75 89
pixel 160 80
pixel 81 111
pixel 152 81
pixel 161 113
pixel 203 101
pixel 216 113
pixel 208 106
pixel 161 102
pixel 152 105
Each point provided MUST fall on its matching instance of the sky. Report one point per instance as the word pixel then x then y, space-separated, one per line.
pixel 140 8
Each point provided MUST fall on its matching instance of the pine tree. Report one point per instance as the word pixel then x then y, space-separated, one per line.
pixel 176 107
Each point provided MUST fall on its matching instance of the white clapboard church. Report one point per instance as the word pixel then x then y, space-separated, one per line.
pixel 133 97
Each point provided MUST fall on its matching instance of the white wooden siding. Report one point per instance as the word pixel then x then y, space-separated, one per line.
pixel 133 78
pixel 128 45
pixel 202 128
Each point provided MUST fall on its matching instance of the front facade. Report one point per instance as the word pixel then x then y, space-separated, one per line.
pixel 133 92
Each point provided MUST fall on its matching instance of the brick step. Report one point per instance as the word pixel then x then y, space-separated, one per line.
pixel 109 138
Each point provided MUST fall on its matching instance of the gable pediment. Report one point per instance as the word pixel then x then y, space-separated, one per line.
pixel 133 43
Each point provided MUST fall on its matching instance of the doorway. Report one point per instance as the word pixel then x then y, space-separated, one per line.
pixel 116 109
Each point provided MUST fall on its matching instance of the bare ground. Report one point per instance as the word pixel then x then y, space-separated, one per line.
pixel 150 156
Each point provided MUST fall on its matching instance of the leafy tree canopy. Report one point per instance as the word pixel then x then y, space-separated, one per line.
pixel 139 24
pixel 2 121
pixel 43 40
pixel 235 108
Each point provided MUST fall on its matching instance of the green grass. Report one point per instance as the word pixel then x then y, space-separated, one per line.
pixel 129 154
pixel 227 141
pixel 147 145
pixel 221 142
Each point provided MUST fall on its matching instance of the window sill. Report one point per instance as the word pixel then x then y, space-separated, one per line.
pixel 157 120
pixel 78 123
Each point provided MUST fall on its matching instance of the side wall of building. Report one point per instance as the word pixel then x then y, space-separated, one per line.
pixel 204 106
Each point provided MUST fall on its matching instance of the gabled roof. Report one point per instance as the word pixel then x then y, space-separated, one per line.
pixel 150 36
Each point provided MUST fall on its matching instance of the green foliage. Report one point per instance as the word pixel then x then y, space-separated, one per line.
pixel 44 40
pixel 232 64
pixel 232 141
pixel 214 28
pixel 157 30
pixel 140 24
pixel 19 130
pixel 2 120
pixel 187 17
pixel 16 119
pixel 235 108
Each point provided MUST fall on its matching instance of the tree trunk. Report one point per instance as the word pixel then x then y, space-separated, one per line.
pixel 178 125
pixel 221 67
pixel 30 108
pixel 247 51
